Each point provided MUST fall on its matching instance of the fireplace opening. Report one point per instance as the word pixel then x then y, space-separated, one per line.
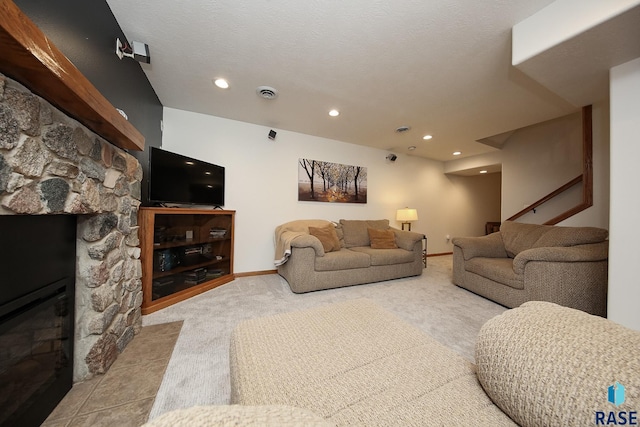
pixel 37 287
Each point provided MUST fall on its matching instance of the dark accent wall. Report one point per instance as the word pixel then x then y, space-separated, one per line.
pixel 86 31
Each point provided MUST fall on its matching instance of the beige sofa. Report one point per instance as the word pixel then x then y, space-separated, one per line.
pixel 527 262
pixel 354 363
pixel 303 261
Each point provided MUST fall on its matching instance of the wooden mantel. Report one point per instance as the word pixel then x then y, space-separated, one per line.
pixel 28 56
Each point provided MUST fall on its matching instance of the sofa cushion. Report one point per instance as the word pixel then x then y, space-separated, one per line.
pixel 496 269
pixel 327 236
pixel 356 231
pixel 518 237
pixel 344 259
pixel 382 239
pixel 544 364
pixel 571 236
pixel 386 256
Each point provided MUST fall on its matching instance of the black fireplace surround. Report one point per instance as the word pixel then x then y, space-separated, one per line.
pixel 37 283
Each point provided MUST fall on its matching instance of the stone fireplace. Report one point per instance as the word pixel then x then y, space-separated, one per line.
pixel 50 164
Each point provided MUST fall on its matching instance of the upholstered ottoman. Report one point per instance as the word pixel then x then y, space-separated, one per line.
pixel 354 363
pixel 235 415
pixel 549 365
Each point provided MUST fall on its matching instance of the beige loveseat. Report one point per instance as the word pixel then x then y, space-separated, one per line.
pixel 304 261
pixel 354 363
pixel 528 262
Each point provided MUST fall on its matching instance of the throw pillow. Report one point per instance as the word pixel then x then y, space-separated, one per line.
pixel 382 239
pixel 327 236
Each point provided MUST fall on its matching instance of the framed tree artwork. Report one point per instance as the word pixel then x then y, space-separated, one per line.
pixel 320 181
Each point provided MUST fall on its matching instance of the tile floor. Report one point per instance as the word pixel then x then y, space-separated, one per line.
pixel 123 396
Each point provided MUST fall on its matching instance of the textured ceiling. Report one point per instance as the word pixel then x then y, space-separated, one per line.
pixel 441 67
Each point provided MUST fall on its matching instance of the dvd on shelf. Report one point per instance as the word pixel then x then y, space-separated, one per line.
pixel 195 276
pixel 214 272
pixel 217 233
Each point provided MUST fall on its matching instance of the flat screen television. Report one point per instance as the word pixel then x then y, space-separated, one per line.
pixel 174 178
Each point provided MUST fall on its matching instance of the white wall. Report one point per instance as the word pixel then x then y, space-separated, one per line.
pixel 475 200
pixel 624 291
pixel 261 182
pixel 540 158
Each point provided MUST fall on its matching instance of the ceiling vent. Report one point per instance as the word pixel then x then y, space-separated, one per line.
pixel 402 129
pixel 267 92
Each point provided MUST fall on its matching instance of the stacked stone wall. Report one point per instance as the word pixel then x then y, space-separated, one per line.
pixel 51 164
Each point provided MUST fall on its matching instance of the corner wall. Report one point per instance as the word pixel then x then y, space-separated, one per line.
pixel 262 175
pixel 624 292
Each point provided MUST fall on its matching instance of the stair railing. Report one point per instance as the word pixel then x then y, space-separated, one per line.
pixel 586 178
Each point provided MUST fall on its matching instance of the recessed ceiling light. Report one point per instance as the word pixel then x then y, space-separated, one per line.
pixel 334 113
pixel 190 163
pixel 402 129
pixel 221 83
pixel 483 171
pixel 413 147
pixel 457 153
pixel 427 137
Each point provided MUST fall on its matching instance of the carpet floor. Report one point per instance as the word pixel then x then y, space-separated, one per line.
pixel 198 371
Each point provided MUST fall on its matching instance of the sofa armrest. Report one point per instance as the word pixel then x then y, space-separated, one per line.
pixel 407 239
pixel 581 253
pixel 308 241
pixel 490 246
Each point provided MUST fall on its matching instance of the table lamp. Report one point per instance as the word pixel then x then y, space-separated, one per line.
pixel 406 215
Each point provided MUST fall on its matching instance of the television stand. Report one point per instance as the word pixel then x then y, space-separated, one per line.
pixel 184 252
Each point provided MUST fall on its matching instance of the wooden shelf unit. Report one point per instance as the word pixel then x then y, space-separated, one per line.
pixel 184 252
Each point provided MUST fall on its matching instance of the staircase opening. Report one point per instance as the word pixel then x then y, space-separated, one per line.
pixel 585 178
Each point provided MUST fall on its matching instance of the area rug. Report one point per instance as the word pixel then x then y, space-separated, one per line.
pixel 198 371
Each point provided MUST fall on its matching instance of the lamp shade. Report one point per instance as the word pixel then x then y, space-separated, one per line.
pixel 407 215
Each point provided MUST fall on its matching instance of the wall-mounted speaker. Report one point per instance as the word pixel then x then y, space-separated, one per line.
pixel 272 134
